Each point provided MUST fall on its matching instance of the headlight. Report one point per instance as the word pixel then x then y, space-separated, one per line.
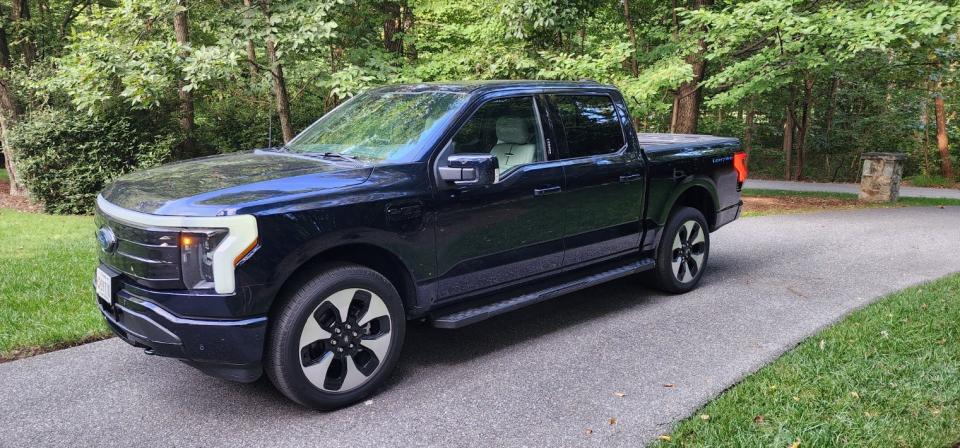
pixel 196 257
pixel 211 247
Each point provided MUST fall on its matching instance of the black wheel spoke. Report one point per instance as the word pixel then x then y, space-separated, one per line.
pixel 692 266
pixel 694 233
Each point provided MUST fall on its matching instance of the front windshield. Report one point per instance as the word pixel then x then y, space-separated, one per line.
pixel 378 126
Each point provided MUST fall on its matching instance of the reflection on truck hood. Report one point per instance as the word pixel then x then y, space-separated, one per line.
pixel 222 184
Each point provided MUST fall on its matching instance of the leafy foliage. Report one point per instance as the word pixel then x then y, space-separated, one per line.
pixel 855 76
pixel 66 158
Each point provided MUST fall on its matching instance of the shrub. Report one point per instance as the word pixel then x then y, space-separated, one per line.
pixel 66 158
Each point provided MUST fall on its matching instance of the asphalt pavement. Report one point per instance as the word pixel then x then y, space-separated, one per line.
pixel 916 192
pixel 540 377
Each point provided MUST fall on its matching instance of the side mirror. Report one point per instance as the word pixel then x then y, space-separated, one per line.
pixel 471 169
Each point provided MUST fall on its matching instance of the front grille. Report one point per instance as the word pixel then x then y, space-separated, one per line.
pixel 147 256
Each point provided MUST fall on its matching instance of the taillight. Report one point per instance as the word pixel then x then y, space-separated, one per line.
pixel 740 165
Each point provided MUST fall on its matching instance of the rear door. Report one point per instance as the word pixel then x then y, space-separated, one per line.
pixel 604 174
pixel 512 230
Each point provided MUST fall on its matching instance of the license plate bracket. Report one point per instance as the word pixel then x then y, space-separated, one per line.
pixel 105 283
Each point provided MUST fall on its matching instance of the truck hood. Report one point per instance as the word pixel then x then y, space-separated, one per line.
pixel 220 185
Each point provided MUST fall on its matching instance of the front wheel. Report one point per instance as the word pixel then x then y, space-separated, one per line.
pixel 683 252
pixel 336 338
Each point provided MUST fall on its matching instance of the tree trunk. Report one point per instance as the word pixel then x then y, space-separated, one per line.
pixel 924 140
pixel 633 38
pixel 251 49
pixel 182 34
pixel 280 92
pixel 831 107
pixel 409 47
pixel 942 142
pixel 20 10
pixel 279 83
pixel 689 96
pixel 391 25
pixel 788 123
pixel 804 125
pixel 748 130
pixel 9 113
pixel 5 60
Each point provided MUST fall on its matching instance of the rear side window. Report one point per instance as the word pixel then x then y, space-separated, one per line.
pixel 590 124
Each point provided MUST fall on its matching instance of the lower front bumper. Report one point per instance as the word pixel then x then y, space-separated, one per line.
pixel 228 349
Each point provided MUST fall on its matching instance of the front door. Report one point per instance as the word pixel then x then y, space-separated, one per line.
pixel 510 231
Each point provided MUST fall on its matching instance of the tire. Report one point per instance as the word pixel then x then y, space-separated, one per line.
pixel 322 361
pixel 683 251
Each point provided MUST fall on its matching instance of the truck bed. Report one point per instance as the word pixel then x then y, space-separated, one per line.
pixel 652 142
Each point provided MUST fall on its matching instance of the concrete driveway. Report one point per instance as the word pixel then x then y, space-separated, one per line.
pixel 538 377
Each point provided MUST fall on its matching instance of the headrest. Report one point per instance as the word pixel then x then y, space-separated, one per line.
pixel 513 130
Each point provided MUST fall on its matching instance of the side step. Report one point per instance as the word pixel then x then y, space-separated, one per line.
pixel 565 285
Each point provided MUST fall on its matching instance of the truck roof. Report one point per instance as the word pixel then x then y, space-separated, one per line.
pixel 651 141
pixel 490 85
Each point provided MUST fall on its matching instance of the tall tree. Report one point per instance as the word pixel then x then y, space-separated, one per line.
pixel 633 37
pixel 392 22
pixel 409 21
pixel 280 94
pixel 251 47
pixel 184 90
pixel 689 97
pixel 943 144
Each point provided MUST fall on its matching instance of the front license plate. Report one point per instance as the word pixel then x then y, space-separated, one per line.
pixel 104 285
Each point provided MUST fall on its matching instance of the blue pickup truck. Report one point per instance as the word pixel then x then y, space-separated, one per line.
pixel 447 203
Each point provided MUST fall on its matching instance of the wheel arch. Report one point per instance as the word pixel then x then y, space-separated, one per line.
pixel 371 256
pixel 699 194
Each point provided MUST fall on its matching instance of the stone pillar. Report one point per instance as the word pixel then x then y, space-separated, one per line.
pixel 880 179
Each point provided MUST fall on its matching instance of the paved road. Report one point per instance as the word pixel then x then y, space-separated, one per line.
pixel 537 377
pixel 849 188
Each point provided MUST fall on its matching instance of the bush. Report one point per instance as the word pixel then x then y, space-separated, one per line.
pixel 66 158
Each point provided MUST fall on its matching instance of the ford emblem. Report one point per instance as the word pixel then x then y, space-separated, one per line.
pixel 108 241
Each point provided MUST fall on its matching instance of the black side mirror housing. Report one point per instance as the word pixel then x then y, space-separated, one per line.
pixel 471 169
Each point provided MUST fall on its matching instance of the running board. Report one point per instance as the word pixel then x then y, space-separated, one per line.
pixel 467 316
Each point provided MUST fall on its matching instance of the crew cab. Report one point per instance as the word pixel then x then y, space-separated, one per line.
pixel 447 203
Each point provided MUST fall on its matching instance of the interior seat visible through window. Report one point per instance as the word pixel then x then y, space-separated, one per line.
pixel 507 128
pixel 514 145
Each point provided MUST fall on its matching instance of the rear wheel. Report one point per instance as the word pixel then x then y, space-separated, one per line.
pixel 336 338
pixel 683 252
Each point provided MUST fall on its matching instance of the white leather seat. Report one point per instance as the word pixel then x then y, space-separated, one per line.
pixel 513 143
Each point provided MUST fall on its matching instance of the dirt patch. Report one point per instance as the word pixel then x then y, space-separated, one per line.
pixel 16 202
pixel 21 353
pixel 789 204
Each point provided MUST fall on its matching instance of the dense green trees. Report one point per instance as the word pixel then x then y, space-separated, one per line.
pixel 808 85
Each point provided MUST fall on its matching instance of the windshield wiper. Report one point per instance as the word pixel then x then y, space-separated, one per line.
pixel 337 155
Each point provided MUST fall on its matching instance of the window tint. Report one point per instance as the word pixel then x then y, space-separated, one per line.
pixel 506 128
pixel 590 124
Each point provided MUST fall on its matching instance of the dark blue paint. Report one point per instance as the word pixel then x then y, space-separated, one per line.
pixel 445 244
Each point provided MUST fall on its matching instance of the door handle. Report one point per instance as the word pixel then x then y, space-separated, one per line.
pixel 545 191
pixel 630 177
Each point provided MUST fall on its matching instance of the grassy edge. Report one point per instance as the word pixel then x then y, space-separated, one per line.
pixel 853 204
pixel 815 394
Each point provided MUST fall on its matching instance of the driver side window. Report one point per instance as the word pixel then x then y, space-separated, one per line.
pixel 507 128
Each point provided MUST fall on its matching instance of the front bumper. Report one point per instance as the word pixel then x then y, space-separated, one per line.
pixel 229 349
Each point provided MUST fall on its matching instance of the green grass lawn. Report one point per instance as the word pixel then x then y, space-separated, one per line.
pixel 886 376
pixel 46 296
pixel 3 175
